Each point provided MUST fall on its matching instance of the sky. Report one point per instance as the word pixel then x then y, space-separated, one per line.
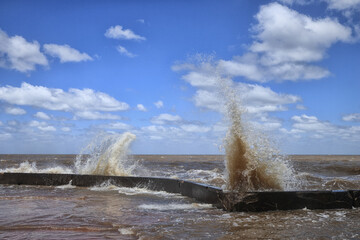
pixel 71 70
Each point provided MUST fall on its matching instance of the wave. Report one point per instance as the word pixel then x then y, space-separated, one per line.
pixel 108 186
pixel 108 156
pixel 27 167
pixel 251 162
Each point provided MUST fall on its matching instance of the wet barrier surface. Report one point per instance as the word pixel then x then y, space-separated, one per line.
pixel 230 201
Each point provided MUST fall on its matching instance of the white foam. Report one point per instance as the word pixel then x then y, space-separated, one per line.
pixel 174 206
pixel 108 186
pixel 126 231
pixel 27 167
pixel 67 186
pixel 144 191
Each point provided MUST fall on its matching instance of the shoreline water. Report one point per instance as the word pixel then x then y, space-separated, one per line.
pixel 108 211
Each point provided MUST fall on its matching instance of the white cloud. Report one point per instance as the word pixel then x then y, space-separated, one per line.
pixel 159 104
pixel 354 117
pixel 251 67
pixel 300 107
pixel 75 100
pixel 203 75
pixel 42 115
pixel 12 123
pixel 125 52
pixel 163 132
pixel 94 115
pixel 310 126
pixel 195 128
pixel 66 53
pixel 284 35
pixel 209 99
pixel 254 98
pixel 5 136
pixel 286 43
pixel 117 126
pixel 245 66
pixel 19 54
pixel 43 126
pixel 311 123
pixel 300 2
pixel 118 32
pixel 166 118
pixel 343 4
pixel 141 107
pixel 15 111
pixel 258 96
pixel 340 5
pixel 65 129
pixel 141 20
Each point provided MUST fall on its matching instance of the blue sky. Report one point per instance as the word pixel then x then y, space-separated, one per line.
pixel 72 69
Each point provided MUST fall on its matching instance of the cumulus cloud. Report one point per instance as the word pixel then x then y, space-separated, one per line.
pixel 251 67
pixel 156 132
pixel 340 5
pixel 311 123
pixel 141 107
pixel 118 32
pixel 141 20
pixel 15 111
pixel 344 4
pixel 166 118
pixel 300 2
pixel 257 98
pixel 18 54
pixel 286 45
pixel 284 35
pixel 354 117
pixel 42 115
pixel 94 115
pixel 209 84
pixel 123 51
pixel 313 127
pixel 159 104
pixel 195 128
pixel 66 53
pixel 65 129
pixel 78 101
pixel 43 126
pixel 117 126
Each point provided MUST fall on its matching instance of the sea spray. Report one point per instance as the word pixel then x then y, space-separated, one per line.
pixel 108 155
pixel 251 162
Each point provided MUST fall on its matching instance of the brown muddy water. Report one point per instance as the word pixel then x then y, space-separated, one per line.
pixel 110 212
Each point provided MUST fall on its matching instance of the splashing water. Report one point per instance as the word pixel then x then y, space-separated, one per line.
pixel 27 167
pixel 251 162
pixel 108 156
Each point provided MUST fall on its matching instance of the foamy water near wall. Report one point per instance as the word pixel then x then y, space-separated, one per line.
pixel 107 154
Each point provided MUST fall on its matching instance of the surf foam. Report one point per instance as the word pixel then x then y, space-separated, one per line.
pixel 27 167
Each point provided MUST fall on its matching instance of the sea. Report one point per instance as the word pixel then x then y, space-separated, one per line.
pixel 111 212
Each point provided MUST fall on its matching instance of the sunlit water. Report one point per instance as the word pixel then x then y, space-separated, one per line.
pixel 107 211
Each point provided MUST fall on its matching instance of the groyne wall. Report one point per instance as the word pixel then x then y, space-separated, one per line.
pixel 230 201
